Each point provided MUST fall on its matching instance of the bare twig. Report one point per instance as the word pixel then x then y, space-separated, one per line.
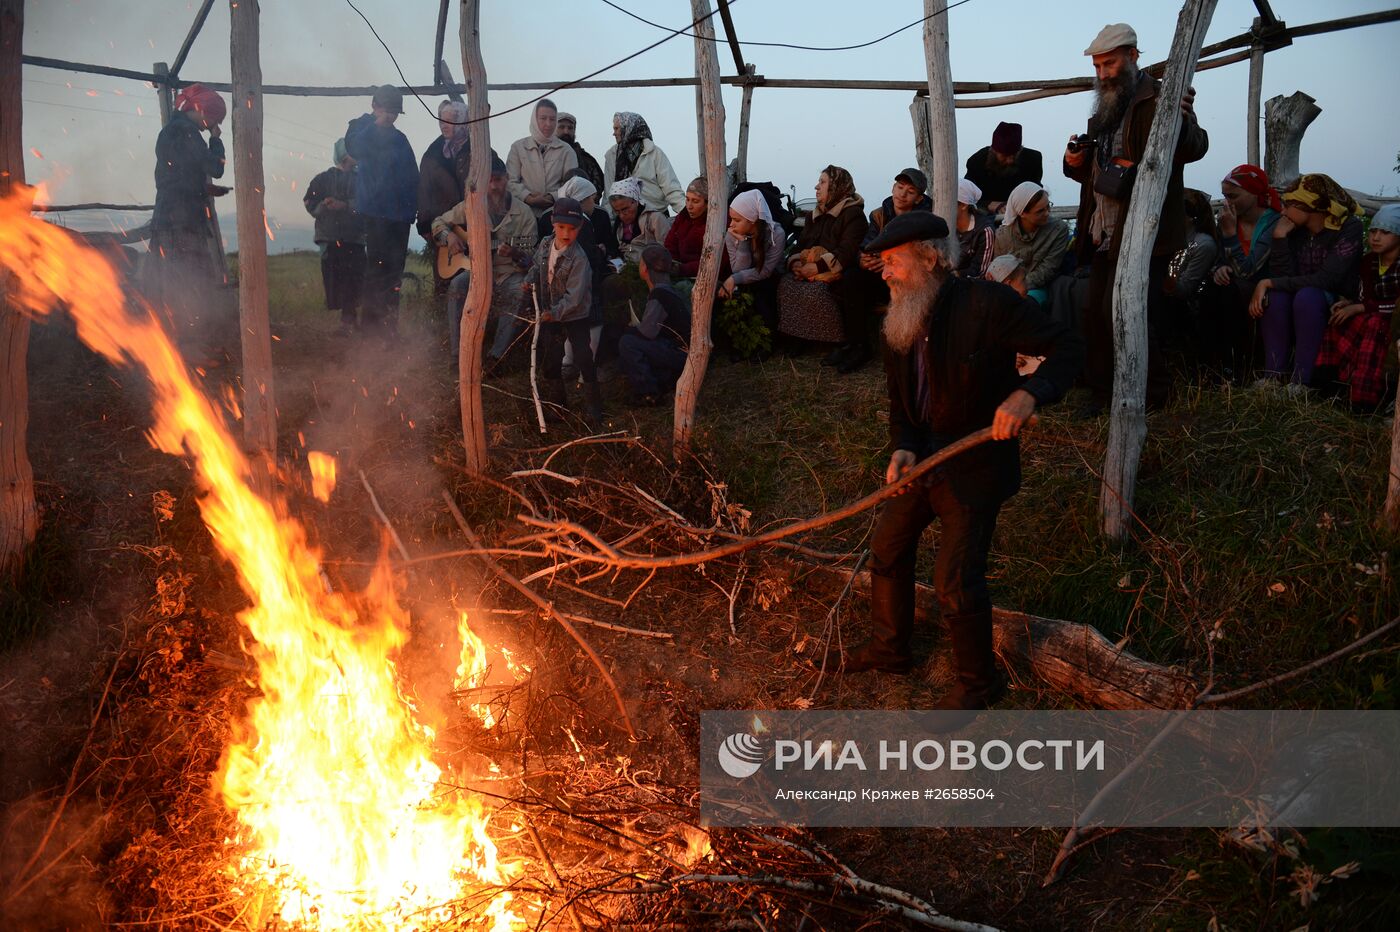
pixel 521 473
pixel 534 355
pixel 1294 674
pixel 614 437
pixel 393 534
pixel 548 608
pixel 550 869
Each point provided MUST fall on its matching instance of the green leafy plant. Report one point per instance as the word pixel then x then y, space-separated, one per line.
pixel 745 330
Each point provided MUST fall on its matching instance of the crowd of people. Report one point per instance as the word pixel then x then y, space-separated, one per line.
pixel 980 318
pixel 1271 288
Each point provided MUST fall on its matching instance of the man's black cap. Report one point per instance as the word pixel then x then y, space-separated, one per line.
pixel 908 227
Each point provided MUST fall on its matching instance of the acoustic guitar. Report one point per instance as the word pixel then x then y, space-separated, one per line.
pixel 449 265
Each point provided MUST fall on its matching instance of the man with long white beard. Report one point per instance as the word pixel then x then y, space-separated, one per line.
pixel 1104 162
pixel 950 360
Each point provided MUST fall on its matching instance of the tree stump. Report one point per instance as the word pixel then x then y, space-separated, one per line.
pixel 1286 119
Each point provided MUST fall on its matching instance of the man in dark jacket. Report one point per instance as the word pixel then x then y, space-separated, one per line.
pixel 566 129
pixel 1105 166
pixel 997 169
pixel 388 199
pixel 951 346
pixel 340 235
pixel 442 174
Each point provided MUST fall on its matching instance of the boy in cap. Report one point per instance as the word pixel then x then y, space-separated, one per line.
pixel 340 235
pixel 997 169
pixel 864 290
pixel 950 363
pixel 388 201
pixel 562 281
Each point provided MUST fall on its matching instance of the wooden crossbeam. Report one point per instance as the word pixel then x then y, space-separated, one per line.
pixel 184 52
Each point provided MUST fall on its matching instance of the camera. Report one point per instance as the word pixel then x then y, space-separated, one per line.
pixel 1080 143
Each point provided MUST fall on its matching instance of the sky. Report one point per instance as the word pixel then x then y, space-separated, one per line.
pixel 92 137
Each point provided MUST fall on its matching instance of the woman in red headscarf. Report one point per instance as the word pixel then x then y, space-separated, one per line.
pixel 188 260
pixel 1246 225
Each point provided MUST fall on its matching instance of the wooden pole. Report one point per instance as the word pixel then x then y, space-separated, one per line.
pixel 478 303
pixel 702 297
pixel 19 517
pixel 439 40
pixel 1127 430
pixel 744 109
pixel 259 404
pixel 923 142
pixel 1256 85
pixel 164 97
pixel 943 127
pixel 193 34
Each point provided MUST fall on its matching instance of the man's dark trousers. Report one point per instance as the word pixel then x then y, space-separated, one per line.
pixel 1097 324
pixel 386 251
pixel 651 366
pixel 959 570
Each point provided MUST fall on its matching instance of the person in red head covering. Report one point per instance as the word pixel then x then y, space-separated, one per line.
pixel 1251 209
pixel 187 260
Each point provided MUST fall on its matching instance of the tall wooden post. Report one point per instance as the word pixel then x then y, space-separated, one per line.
pixel 19 517
pixel 702 297
pixel 478 303
pixel 923 142
pixel 259 402
pixel 1127 430
pixel 943 127
pixel 744 110
pixel 165 95
pixel 1256 86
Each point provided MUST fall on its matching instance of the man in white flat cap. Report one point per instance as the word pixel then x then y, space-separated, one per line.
pixel 1104 161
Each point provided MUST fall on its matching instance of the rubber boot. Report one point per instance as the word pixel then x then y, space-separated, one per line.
pixel 979 684
pixel 892 628
pixel 593 404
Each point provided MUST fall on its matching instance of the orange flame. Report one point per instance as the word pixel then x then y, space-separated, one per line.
pixel 344 819
pixel 322 474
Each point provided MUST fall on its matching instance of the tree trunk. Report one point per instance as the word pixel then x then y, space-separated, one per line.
pixel 478 304
pixel 702 297
pixel 19 517
pixel 259 401
pixel 1127 429
pixel 923 141
pixel 1286 119
pixel 943 127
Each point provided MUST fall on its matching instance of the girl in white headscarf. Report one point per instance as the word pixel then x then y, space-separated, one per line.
pixel 1028 233
pixel 754 244
pixel 537 163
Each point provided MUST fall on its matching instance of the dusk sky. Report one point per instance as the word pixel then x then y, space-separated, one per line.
pixel 92 137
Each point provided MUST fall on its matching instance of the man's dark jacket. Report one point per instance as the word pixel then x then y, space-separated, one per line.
pixel 997 186
pixel 1191 146
pixel 442 182
pixel 975 330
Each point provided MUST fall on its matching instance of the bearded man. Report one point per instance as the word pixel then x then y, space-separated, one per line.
pixel 1105 165
pixel 950 361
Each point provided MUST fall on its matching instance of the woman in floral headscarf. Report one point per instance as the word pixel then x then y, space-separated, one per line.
pixel 636 156
pixel 1314 260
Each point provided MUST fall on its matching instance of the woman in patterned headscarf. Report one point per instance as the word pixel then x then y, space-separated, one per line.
pixel 1314 260
pixel 636 156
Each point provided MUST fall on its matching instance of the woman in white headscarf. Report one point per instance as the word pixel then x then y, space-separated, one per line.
pixel 537 163
pixel 635 155
pixel 1028 233
pixel 754 245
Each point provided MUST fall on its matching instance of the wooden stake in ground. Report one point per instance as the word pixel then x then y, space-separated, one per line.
pixel 942 124
pixel 19 518
pixel 259 408
pixel 1392 494
pixel 478 304
pixel 702 298
pixel 1127 430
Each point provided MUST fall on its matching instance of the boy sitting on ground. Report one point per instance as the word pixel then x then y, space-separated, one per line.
pixel 653 350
